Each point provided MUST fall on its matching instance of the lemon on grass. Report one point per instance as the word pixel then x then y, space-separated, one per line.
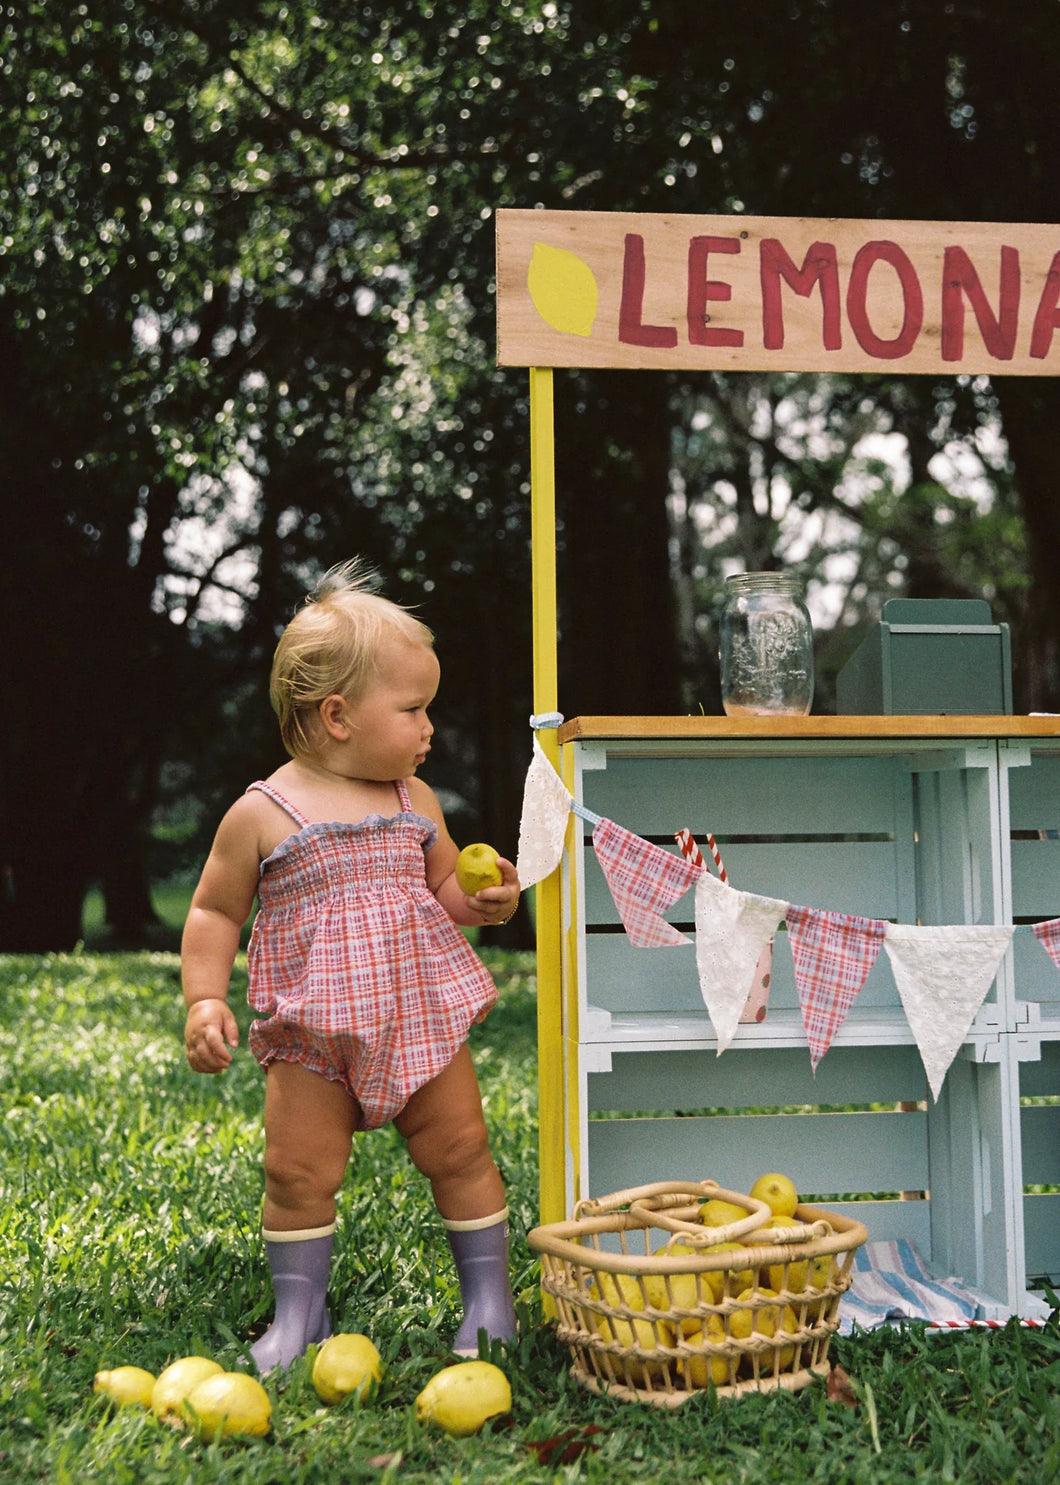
pixel 460 1398
pixel 346 1363
pixel 126 1384
pixel 175 1382
pixel 228 1403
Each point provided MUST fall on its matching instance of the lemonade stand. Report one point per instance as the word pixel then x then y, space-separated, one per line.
pixel 909 1079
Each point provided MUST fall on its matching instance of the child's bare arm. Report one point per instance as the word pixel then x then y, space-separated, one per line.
pixel 219 908
pixel 490 906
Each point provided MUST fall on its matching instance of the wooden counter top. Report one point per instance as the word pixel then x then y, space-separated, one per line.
pixel 933 726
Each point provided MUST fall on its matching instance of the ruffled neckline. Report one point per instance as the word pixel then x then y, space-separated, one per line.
pixel 370 822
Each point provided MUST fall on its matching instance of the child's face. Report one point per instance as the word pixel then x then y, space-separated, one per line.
pixel 390 730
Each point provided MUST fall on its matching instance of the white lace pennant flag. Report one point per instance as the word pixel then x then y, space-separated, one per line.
pixel 644 880
pixel 546 809
pixel 732 929
pixel 943 975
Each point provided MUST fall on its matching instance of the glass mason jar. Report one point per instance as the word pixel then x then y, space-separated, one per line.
pixel 766 647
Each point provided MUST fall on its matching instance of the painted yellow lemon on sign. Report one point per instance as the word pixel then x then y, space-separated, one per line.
pixel 563 288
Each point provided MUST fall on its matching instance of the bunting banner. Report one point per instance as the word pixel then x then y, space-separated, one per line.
pixel 732 929
pixel 833 953
pixel 943 975
pixel 546 809
pixel 644 880
pixel 1048 935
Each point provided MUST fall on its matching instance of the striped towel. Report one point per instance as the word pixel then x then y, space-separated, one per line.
pixel 890 1281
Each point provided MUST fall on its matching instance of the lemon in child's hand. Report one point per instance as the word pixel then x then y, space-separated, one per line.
pixel 476 867
pixel 345 1364
pixel 126 1384
pixel 229 1403
pixel 174 1384
pixel 461 1398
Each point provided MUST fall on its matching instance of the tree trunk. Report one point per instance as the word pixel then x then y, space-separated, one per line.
pixel 618 650
pixel 1030 410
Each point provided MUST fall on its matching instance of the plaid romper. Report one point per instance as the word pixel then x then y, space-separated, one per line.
pixel 356 970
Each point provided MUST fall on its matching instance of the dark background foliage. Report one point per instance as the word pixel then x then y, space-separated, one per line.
pixel 246 331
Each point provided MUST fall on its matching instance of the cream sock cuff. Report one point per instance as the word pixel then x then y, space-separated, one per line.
pixel 475 1224
pixel 303 1235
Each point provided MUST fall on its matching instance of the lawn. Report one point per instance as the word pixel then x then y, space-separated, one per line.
pixel 129 1216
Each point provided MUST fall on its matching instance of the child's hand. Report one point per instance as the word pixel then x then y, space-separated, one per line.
pixel 208 1033
pixel 494 905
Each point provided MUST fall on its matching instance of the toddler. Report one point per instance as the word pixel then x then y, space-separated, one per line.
pixel 363 985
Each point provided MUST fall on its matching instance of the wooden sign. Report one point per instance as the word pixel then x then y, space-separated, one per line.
pixel 629 289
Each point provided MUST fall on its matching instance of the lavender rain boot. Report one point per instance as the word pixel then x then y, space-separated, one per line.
pixel 480 1251
pixel 299 1263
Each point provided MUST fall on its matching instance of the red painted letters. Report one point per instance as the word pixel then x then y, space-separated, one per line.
pixel 631 329
pixel 701 290
pixel 818 267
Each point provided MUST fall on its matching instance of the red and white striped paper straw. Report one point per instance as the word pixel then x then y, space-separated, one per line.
pixel 691 851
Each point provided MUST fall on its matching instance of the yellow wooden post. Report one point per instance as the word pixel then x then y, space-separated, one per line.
pixel 546 699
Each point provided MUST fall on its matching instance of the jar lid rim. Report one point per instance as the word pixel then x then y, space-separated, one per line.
pixel 759 577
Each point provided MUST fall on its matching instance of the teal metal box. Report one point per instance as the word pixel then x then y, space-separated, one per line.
pixel 929 656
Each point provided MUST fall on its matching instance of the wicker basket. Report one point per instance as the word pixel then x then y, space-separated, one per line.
pixel 648 1320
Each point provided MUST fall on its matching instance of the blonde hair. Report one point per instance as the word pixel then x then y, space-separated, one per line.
pixel 331 647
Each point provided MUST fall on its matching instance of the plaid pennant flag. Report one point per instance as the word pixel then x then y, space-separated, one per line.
pixel 644 880
pixel 1048 935
pixel 833 953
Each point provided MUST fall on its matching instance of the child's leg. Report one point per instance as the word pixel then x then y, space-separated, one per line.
pixel 447 1139
pixel 309 1126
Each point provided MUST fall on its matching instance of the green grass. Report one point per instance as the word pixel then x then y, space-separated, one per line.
pixel 129 1214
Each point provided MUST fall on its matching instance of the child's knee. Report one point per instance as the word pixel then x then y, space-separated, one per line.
pixel 445 1151
pixel 292 1180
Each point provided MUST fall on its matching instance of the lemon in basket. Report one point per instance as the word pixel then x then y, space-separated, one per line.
pixel 821 1275
pixel 618 1290
pixel 763 1320
pixel 718 1213
pixel 739 1279
pixel 778 1192
pixel 708 1366
pixel 678 1289
pixel 798 1270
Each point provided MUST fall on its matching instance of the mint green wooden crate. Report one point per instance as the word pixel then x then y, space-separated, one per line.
pixel 908 832
pixel 1038 1069
pixel 905 835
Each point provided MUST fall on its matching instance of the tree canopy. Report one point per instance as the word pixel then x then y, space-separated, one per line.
pixel 246 317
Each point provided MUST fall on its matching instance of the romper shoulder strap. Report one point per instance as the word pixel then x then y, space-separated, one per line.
pixel 277 798
pixel 403 795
